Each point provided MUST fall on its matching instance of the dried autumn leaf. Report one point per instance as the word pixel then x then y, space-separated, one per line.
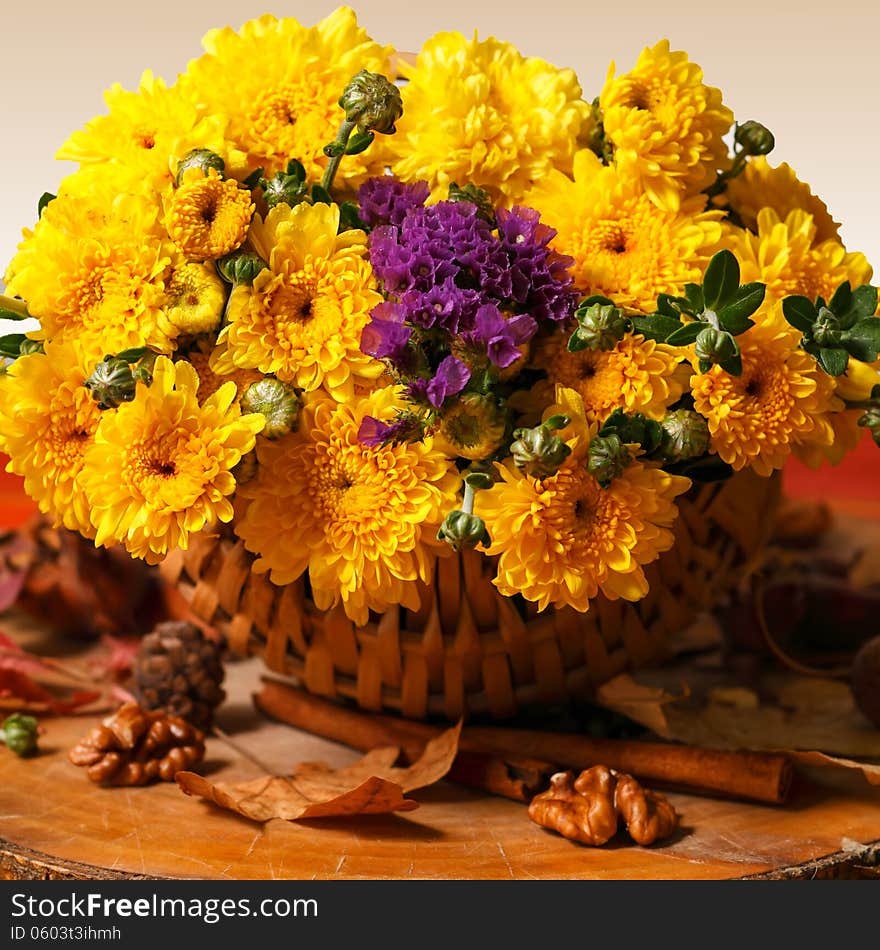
pixel 370 786
pixel 643 704
pixel 869 770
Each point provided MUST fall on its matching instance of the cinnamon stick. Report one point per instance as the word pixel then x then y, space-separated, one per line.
pixel 517 762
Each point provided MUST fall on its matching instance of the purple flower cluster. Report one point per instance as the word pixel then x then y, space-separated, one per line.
pixel 463 295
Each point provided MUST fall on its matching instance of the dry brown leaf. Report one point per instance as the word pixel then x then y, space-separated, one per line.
pixel 643 704
pixel 869 770
pixel 370 786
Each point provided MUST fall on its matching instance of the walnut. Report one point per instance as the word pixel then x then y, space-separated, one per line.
pixel 648 815
pixel 588 809
pixel 583 810
pixel 135 746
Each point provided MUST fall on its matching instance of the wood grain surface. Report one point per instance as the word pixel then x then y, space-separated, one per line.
pixel 55 824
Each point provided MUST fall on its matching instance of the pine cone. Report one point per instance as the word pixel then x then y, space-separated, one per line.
pixel 179 670
pixel 134 747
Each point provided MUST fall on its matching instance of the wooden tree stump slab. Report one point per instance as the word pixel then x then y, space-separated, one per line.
pixel 55 824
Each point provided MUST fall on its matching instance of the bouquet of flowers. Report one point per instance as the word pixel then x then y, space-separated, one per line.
pixel 371 310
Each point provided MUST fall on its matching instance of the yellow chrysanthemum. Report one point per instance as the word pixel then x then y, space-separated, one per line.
pixel 210 382
pixel 194 299
pixel 278 84
pixel 208 216
pixel 782 399
pixel 624 246
pixel 95 267
pixel 361 520
pixel 302 318
pixel 638 375
pixel 47 422
pixel 784 255
pixel 148 131
pixel 478 111
pixel 762 186
pixel 563 539
pixel 160 467
pixel 666 126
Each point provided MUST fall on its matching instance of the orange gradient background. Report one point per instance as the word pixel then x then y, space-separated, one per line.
pixel 807 70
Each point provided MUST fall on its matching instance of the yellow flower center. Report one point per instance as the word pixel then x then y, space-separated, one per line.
pixel 209 217
pixel 74 416
pixel 294 120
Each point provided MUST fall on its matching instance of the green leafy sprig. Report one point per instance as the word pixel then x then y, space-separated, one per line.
pixel 843 327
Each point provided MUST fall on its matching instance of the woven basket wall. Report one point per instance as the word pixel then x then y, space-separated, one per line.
pixel 469 649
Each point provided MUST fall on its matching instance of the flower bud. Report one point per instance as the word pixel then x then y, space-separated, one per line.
pixel 201 158
pixel 142 370
pixel 29 346
pixel 475 196
pixel 372 103
pixel 284 189
pixel 277 402
pixel 461 531
pixel 608 458
pixel 538 452
pixel 194 299
pixel 240 267
pixel 715 346
pixel 754 138
pixel 111 383
pixel 19 733
pixel 685 435
pixel 871 421
pixel 826 330
pixel 600 327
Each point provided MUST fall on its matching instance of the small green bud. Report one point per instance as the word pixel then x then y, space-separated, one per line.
pixel 202 158
pixel 479 481
pixel 475 196
pixel 538 452
pixel 685 435
pixel 608 458
pixel 633 428
pixel 142 370
pixel 240 267
pixel 754 138
pixel 277 402
pixel 19 734
pixel 462 530
pixel 284 189
pixel 871 421
pixel 30 346
pixel 600 327
pixel 715 346
pixel 826 330
pixel 111 383
pixel 372 103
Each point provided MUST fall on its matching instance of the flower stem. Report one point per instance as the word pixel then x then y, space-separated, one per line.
pixel 14 305
pixel 467 505
pixel 339 146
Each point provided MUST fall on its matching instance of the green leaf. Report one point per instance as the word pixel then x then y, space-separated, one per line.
pixel 863 340
pixel 657 326
pixel 841 300
pixel 666 306
pixel 733 366
pixel 694 295
pixel 705 365
pixel 734 316
pixel 134 354
pixel 359 142
pixel 11 314
pixel 686 335
pixel 349 219
pixel 10 345
pixel 321 195
pixel 720 281
pixel 45 198
pixel 576 343
pixel 800 312
pixel 833 360
pixel 296 170
pixel 864 302
pixel 253 180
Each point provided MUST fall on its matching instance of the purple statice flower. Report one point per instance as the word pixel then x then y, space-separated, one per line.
pixel 501 338
pixel 445 306
pixel 407 427
pixel 541 282
pixel 386 336
pixel 386 200
pixel 450 378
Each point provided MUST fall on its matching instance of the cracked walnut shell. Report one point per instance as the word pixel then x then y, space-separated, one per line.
pixel 135 746
pixel 588 809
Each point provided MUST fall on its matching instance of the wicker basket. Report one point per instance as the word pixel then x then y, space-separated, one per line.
pixel 469 649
